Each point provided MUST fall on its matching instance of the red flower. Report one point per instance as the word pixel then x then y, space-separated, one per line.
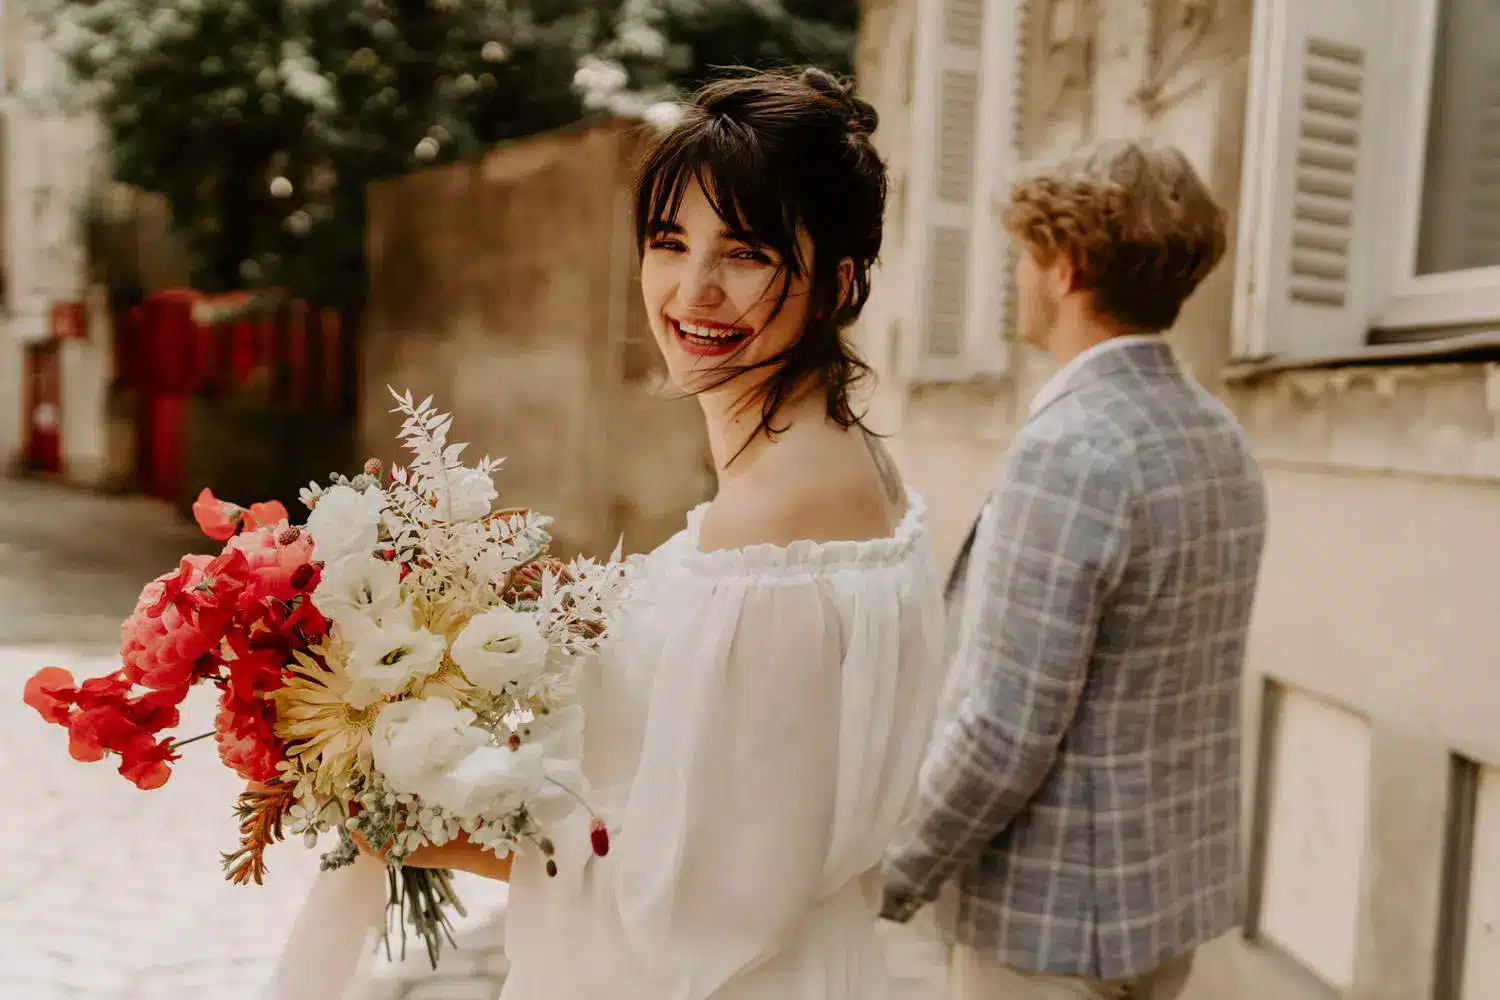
pixel 599 837
pixel 222 520
pixel 247 742
pixel 147 763
pixel 108 721
pixel 97 731
pixel 255 662
pixel 155 711
pixel 83 747
pixel 51 692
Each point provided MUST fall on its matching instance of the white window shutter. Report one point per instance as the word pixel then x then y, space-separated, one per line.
pixel 940 203
pixel 993 272
pixel 1319 92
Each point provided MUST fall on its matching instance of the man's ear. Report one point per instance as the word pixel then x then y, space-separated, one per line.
pixel 1062 276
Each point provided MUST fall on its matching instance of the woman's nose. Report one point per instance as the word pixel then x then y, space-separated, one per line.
pixel 700 287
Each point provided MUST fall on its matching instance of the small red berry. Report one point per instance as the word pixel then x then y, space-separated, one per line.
pixel 599 837
pixel 372 467
pixel 288 535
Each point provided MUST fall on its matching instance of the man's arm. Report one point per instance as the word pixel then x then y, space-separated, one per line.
pixel 1060 539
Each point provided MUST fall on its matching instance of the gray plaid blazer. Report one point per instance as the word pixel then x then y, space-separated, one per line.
pixel 1080 805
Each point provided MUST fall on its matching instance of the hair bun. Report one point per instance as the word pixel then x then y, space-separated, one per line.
pixel 860 114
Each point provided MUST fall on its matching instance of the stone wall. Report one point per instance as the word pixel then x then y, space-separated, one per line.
pixel 507 288
pixel 1373 706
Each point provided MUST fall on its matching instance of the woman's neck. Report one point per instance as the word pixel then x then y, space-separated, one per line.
pixel 735 437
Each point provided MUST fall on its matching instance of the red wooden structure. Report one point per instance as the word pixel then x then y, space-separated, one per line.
pixel 42 400
pixel 168 352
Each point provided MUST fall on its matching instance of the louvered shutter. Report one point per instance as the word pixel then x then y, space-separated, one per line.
pixel 963 134
pixel 945 121
pixel 991 327
pixel 1319 94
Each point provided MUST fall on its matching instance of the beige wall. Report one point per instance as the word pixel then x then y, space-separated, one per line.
pixel 507 289
pixel 1379 609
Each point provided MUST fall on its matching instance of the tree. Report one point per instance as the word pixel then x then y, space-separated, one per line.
pixel 658 50
pixel 262 122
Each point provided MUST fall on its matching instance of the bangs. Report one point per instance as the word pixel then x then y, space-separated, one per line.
pixel 726 160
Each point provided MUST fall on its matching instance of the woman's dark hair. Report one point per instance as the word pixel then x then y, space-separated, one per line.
pixel 775 153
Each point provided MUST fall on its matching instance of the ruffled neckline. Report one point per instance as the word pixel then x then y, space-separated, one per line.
pixel 805 555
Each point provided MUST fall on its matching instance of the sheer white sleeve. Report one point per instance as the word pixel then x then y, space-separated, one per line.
pixel 326 946
pixel 773 766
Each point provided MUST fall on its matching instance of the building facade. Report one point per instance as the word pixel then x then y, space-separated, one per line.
pixel 1355 330
pixel 55 342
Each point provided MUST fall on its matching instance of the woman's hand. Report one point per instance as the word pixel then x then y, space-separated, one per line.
pixel 459 854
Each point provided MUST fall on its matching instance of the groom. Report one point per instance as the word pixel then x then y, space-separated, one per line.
pixel 1080 803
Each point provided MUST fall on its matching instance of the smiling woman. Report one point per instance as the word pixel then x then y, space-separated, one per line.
pixel 758 218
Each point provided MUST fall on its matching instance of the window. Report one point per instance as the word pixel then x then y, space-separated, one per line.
pixel 1459 228
pixel 1371 205
pixel 965 99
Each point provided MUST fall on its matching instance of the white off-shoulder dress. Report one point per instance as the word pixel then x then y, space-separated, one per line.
pixel 755 728
pixel 754 738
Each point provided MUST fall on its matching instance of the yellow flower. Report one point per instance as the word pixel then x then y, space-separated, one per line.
pixel 328 737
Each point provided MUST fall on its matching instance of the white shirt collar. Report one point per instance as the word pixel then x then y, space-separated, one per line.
pixel 1053 388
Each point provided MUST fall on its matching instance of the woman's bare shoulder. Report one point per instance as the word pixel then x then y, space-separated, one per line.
pixel 780 511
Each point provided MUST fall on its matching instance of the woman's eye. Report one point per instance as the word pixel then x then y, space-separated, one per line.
pixel 755 256
pixel 666 243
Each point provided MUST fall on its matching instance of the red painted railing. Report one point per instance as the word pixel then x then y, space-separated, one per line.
pixel 169 349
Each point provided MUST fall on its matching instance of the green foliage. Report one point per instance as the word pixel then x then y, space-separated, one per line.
pixel 263 121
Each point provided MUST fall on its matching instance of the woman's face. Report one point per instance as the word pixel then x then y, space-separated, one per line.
pixel 711 295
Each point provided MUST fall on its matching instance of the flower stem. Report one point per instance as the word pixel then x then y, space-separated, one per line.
pixel 179 744
pixel 586 807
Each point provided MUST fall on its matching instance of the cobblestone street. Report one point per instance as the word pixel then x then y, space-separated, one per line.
pixel 115 894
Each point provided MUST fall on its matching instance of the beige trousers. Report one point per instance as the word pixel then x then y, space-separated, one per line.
pixel 972 976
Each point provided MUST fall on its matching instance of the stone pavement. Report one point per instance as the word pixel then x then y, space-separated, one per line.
pixel 109 893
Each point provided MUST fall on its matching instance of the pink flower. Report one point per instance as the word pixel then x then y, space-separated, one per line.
pixel 164 652
pixel 273 565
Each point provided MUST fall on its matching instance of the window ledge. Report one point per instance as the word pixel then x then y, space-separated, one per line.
pixel 1479 345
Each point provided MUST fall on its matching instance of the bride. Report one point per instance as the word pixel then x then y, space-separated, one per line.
pixel 756 726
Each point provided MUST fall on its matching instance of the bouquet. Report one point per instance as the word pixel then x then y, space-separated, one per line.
pixel 399 669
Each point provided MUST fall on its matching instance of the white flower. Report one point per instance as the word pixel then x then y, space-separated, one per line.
pixel 562 791
pixel 490 781
pixel 417 741
pixel 359 586
pixel 464 495
pixel 501 649
pixel 558 737
pixel 345 522
pixel 559 732
pixel 386 657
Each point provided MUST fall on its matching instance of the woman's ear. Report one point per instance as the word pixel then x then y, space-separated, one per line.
pixel 846 281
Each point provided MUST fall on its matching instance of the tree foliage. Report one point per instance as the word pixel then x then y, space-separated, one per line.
pixel 263 121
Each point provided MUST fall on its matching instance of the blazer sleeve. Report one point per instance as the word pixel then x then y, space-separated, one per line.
pixel 1057 549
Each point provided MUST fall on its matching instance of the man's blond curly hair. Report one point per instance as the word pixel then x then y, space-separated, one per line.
pixel 1135 220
